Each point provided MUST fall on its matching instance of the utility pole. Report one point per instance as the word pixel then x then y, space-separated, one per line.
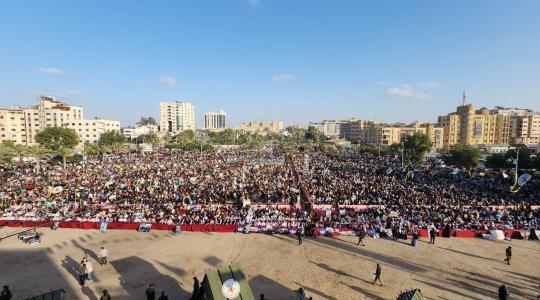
pixel 402 152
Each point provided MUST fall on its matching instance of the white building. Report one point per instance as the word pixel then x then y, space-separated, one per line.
pixel 330 128
pixel 215 121
pixel 262 126
pixel 90 130
pixel 22 124
pixel 134 132
pixel 175 117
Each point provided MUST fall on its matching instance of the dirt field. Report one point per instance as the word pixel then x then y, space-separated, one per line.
pixel 327 268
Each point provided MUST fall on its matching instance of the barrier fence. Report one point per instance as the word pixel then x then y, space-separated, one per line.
pixel 514 234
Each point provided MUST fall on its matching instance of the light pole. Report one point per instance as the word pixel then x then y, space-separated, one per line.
pixel 516 170
pixel 402 152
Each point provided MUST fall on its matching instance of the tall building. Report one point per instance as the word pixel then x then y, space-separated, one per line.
pixel 215 121
pixel 175 117
pixel 22 124
pixel 497 126
pixel 13 125
pixel 262 126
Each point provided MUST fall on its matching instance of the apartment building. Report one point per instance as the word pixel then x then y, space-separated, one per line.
pixel 497 126
pixel 175 117
pixel 215 121
pixel 22 124
pixel 262 126
pixel 388 134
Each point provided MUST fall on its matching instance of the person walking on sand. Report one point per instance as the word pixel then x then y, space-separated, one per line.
pixel 432 233
pixel 196 286
pixel 299 235
pixel 361 234
pixel 82 273
pixel 150 293
pixel 503 292
pixel 89 270
pixel 163 296
pixel 103 254
pixel 508 255
pixel 377 275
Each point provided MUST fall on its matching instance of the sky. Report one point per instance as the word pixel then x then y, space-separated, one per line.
pixel 297 61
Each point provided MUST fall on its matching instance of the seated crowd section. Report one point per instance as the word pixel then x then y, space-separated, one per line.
pixel 261 189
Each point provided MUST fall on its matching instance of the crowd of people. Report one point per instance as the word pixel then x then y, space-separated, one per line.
pixel 154 187
pixel 177 187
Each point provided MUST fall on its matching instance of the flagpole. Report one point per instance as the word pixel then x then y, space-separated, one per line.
pixel 516 171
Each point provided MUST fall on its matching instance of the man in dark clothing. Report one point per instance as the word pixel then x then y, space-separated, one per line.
pixel 503 292
pixel 262 297
pixel 82 273
pixel 432 234
pixel 196 286
pixel 299 235
pixel 163 296
pixel 6 293
pixel 150 293
pixel 361 235
pixel 377 274
pixel 105 295
pixel 508 254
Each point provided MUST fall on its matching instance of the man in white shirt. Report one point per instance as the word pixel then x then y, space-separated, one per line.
pixel 103 253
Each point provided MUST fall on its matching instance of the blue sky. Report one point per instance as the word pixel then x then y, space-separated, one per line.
pixel 297 61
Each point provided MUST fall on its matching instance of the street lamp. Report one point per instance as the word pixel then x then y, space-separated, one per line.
pixel 402 152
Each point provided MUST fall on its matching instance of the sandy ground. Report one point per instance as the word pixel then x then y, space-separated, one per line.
pixel 327 268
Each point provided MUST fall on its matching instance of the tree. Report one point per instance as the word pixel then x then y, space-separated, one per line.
pixel 110 138
pixel 497 160
pixel 65 152
pixel 20 151
pixel 6 153
pixel 149 138
pixel 462 156
pixel 167 138
pixel 147 121
pixel 313 135
pixel 38 152
pixel 185 137
pixel 55 138
pixel 416 146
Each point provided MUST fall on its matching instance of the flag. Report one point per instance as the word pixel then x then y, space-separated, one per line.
pixel 520 182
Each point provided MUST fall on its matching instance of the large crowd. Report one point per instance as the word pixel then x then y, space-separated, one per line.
pixel 177 187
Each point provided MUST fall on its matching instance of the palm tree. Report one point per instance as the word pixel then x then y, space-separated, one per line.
pixel 117 148
pixel 6 153
pixel 20 151
pixel 38 152
pixel 65 152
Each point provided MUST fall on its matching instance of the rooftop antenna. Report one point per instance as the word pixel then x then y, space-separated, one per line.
pixel 464 97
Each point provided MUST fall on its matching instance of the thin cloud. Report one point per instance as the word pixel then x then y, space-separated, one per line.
pixel 253 3
pixel 51 71
pixel 284 77
pixel 167 81
pixel 383 83
pixel 405 91
pixel 430 84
